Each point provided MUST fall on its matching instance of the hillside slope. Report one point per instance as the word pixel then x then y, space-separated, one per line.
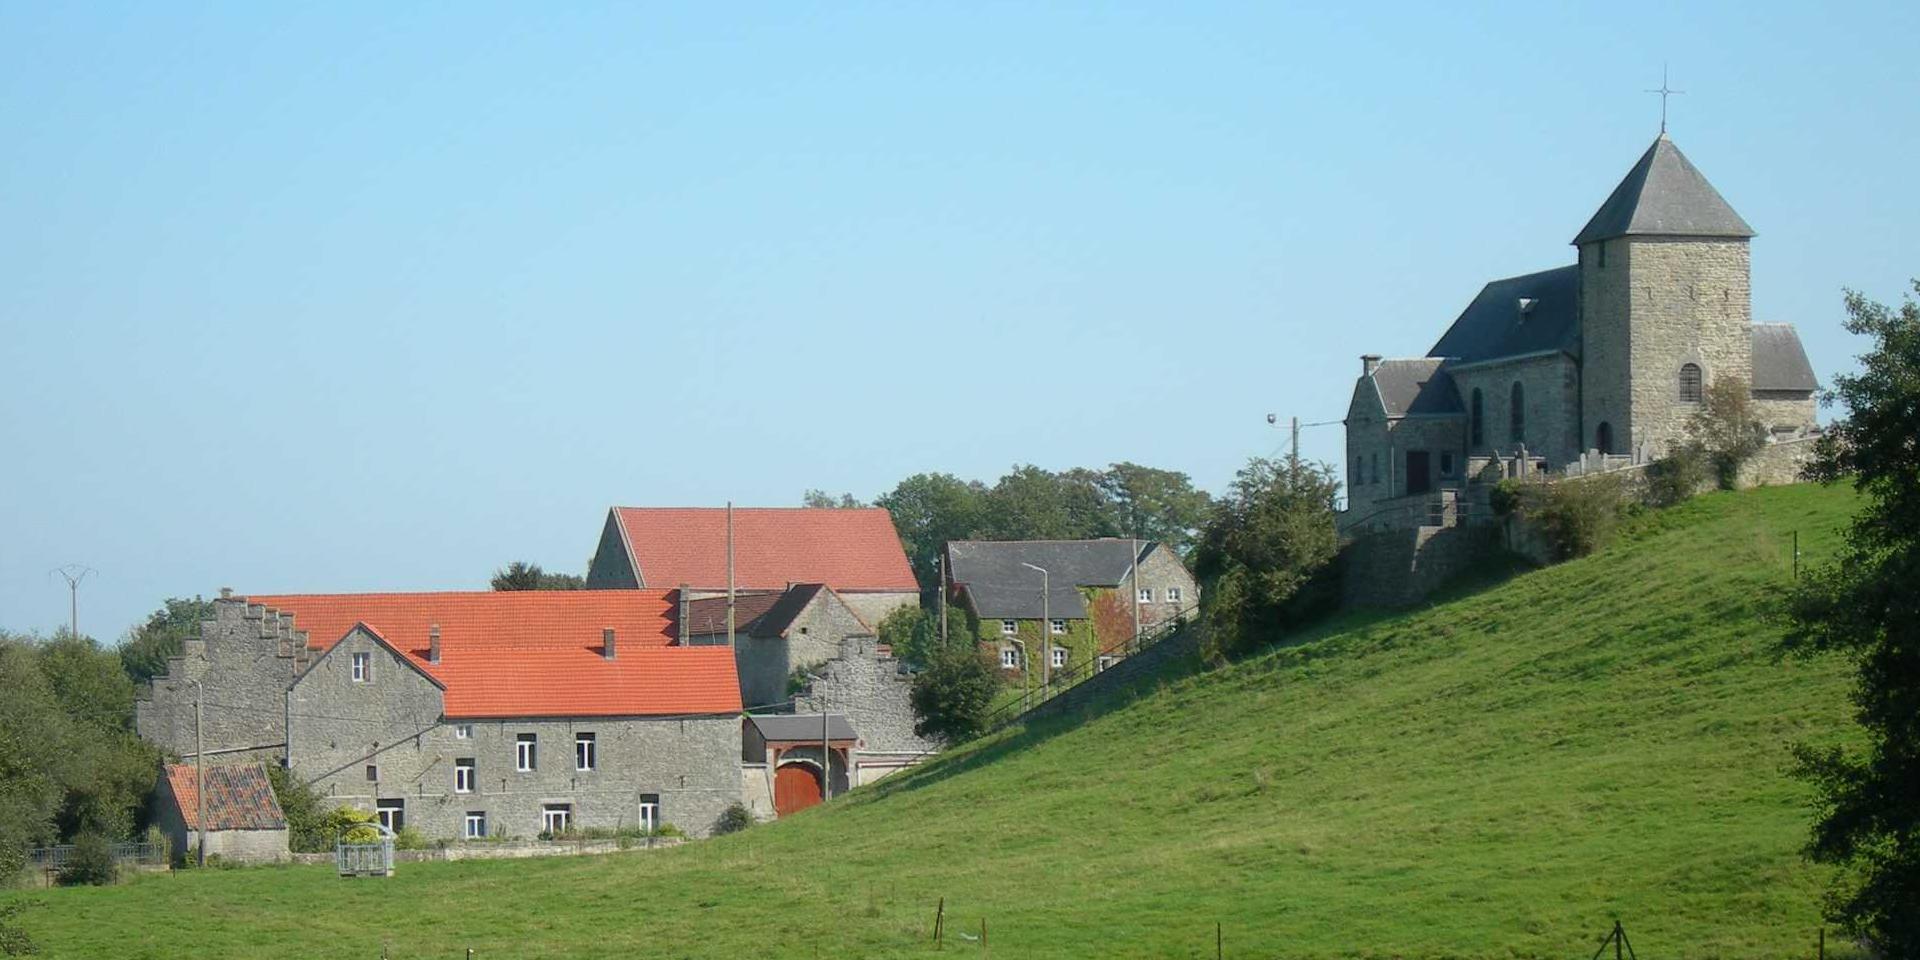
pixel 1498 775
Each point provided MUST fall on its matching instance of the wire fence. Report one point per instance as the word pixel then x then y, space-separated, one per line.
pixel 1065 678
pixel 57 857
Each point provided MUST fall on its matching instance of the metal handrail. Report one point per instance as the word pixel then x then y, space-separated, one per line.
pixel 1073 675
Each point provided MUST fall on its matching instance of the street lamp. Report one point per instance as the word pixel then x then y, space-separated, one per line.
pixel 1046 627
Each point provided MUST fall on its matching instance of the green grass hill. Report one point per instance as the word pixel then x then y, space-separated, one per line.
pixel 1498 775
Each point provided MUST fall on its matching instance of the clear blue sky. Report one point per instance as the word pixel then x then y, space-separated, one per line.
pixel 352 297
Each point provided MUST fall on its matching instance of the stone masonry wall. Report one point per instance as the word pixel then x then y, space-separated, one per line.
pixel 1155 659
pixel 1161 571
pixel 1690 304
pixel 1605 346
pixel 873 693
pixel 1550 387
pixel 244 659
pixel 873 607
pixel 1398 568
pixel 394 723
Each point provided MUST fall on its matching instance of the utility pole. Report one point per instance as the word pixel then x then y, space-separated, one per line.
pixel 199 777
pixel 729 574
pixel 940 561
pixel 73 573
pixel 1046 628
pixel 826 748
pixel 1136 590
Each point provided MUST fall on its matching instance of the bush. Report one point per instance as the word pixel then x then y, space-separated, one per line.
pixel 357 825
pixel 952 696
pixel 14 941
pixel 1265 554
pixel 1505 496
pixel 733 820
pixel 91 862
pixel 1578 516
pixel 1725 428
pixel 307 828
pixel 409 838
pixel 1674 477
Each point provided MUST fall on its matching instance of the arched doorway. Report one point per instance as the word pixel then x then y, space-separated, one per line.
pixel 1603 437
pixel 796 786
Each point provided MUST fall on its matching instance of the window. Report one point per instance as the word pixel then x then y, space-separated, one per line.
pixel 1057 626
pixel 1446 463
pixel 525 747
pixel 1690 383
pixel 1476 423
pixel 463 731
pixel 1376 468
pixel 1009 627
pixel 1146 593
pixel 556 817
pixel 392 814
pixel 1058 658
pixel 1601 248
pixel 1009 658
pixel 362 667
pixel 1173 594
pixel 373 772
pixel 1104 661
pixel 1517 431
pixel 463 775
pixel 649 812
pixel 584 755
pixel 476 827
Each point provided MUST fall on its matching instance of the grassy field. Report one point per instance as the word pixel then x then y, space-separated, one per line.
pixel 1499 775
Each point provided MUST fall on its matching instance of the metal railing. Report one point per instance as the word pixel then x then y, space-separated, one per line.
pixel 57 857
pixel 1072 675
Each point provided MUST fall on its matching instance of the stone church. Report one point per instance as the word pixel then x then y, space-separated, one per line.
pixel 1599 363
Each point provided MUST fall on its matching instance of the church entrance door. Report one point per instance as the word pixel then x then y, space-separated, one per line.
pixel 1419 472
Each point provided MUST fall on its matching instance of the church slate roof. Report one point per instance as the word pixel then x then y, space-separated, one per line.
pixel 1664 195
pixel 1418 387
pixel 1779 361
pixel 1493 326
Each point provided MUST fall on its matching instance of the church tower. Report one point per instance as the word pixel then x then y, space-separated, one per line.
pixel 1665 303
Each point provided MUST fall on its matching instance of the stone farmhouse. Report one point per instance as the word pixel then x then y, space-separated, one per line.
pixel 1595 365
pixel 1099 595
pixel 243 820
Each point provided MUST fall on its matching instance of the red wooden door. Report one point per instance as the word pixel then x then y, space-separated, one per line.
pixel 795 787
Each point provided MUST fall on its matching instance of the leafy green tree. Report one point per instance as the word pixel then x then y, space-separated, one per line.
pixel 952 696
pixel 929 509
pixel 520 575
pixel 306 815
pixel 1263 557
pixel 1154 504
pixel 145 649
pixel 1029 503
pixel 914 634
pixel 1866 606
pixel 34 761
pixel 1726 429
pixel 822 500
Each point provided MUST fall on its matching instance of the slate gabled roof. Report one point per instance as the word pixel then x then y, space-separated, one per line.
pixel 1000 588
pixel 1493 326
pixel 239 797
pixel 855 549
pixel 1664 195
pixel 1417 387
pixel 1779 361
pixel 535 653
pixel 803 727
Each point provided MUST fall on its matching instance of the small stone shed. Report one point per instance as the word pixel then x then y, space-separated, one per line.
pixel 244 820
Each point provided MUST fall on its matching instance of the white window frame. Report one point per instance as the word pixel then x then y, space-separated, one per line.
pixel 649 812
pixel 1173 594
pixel 1009 627
pixel 384 812
pixel 556 813
pixel 475 825
pixel 464 770
pixel 586 752
pixel 1145 595
pixel 363 668
pixel 463 731
pixel 1059 656
pixel 526 752
pixel 1057 627
pixel 1009 659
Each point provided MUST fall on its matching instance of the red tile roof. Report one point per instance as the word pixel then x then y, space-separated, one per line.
pixel 848 550
pixel 239 797
pixel 536 652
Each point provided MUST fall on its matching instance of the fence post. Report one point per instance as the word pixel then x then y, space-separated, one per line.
pixel 1217 941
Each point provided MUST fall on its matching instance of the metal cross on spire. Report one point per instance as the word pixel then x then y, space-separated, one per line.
pixel 1664 92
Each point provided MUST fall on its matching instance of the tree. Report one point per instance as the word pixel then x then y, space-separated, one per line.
pixel 1160 505
pixel 929 509
pixel 1269 539
pixel 307 830
pixel 952 695
pixel 145 648
pixel 1029 503
pixel 1726 429
pixel 1865 605
pixel 822 500
pixel 520 575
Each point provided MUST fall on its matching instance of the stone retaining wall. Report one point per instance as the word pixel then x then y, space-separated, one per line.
pixel 514 850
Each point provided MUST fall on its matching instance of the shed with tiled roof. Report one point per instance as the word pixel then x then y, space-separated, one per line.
pixel 243 819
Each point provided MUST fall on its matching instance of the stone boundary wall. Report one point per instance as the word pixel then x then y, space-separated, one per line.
pixel 1185 643
pixel 1400 568
pixel 513 850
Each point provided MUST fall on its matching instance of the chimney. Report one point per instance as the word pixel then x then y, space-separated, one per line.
pixel 226 593
pixel 686 614
pixel 606 643
pixel 1369 362
pixel 433 643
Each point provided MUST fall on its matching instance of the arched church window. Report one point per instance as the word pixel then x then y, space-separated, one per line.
pixel 1690 383
pixel 1376 468
pixel 1518 431
pixel 1476 424
pixel 1603 437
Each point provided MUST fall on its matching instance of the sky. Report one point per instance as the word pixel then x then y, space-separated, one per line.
pixel 346 297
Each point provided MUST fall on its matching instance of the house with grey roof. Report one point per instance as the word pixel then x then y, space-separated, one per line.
pixel 1598 363
pixel 1039 606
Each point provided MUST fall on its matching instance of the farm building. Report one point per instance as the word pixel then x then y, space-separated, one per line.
pixel 243 821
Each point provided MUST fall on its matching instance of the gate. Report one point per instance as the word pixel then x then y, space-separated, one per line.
pixel 364 859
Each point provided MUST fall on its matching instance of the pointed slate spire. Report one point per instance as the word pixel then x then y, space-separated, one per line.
pixel 1664 195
